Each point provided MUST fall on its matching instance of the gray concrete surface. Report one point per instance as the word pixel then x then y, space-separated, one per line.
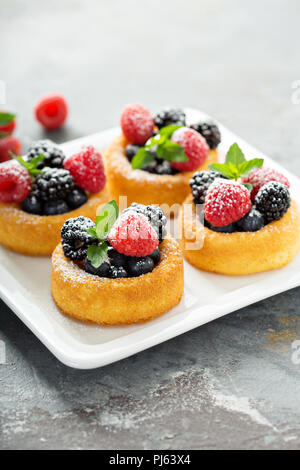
pixel 231 383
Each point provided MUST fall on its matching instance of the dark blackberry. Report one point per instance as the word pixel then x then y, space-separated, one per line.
pixel 75 239
pixel 32 205
pixel 58 206
pixel 200 183
pixel 117 273
pixel 209 131
pixel 117 259
pixel 76 198
pixel 131 150
pixel 103 271
pixel 52 184
pixel 139 266
pixel 251 222
pixel 273 201
pixel 54 156
pixel 155 256
pixel 155 216
pixel 168 116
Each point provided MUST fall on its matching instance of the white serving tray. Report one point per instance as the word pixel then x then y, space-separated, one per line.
pixel 25 287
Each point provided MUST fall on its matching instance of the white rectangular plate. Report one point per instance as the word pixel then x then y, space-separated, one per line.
pixel 25 287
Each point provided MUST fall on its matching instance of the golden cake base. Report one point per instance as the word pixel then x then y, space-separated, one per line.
pixel 31 234
pixel 272 247
pixel 118 301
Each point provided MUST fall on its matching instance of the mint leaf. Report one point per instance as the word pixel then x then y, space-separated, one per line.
pixel 142 158
pixel 223 169
pixel 106 218
pixel 97 254
pixel 235 155
pixel 6 118
pixel 167 131
pixel 246 167
pixel 92 231
pixel 172 152
pixel 30 166
pixel 248 186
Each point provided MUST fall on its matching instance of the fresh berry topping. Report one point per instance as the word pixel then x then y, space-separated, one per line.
pixel 32 205
pixel 168 116
pixel 139 266
pixel 52 184
pixel 51 111
pixel 263 175
pixel 76 198
pixel 7 145
pixel 75 239
pixel 7 123
pixel 273 200
pixel 54 156
pixel 155 256
pixel 200 183
pixel 115 258
pixel 251 222
pixel 103 271
pixel 133 235
pixel 117 273
pixel 15 182
pixel 226 202
pixel 87 169
pixel 209 131
pixel 131 150
pixel 137 123
pixel 195 148
pixel 55 207
pixel 230 228
pixel 155 217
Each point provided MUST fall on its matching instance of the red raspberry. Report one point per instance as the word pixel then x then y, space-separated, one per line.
pixel 226 202
pixel 195 148
pixel 7 128
pixel 137 123
pixel 87 169
pixel 263 175
pixel 15 182
pixel 132 235
pixel 9 144
pixel 51 111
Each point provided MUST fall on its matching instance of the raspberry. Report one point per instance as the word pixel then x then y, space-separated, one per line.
pixel 263 175
pixel 132 235
pixel 200 182
pixel 87 169
pixel 7 145
pixel 226 202
pixel 15 182
pixel 137 123
pixel 195 148
pixel 51 111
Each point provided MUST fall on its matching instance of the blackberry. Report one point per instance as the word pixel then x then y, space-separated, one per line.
pixel 251 222
pixel 54 156
pixel 32 205
pixel 209 131
pixel 58 206
pixel 75 239
pixel 131 150
pixel 52 184
pixel 155 216
pixel 200 183
pixel 155 256
pixel 103 271
pixel 273 201
pixel 76 198
pixel 117 273
pixel 168 116
pixel 139 266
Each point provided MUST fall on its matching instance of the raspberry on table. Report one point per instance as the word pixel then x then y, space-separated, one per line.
pixel 200 182
pixel 209 131
pixel 137 123
pixel 273 200
pixel 87 169
pixel 15 182
pixel 51 111
pixel 132 235
pixel 261 176
pixel 52 184
pixel 75 239
pixel 54 156
pixel 226 202
pixel 195 148
pixel 168 116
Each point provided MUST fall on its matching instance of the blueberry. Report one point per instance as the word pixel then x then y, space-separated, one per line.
pixel 139 266
pixel 155 256
pixel 117 259
pixel 225 229
pixel 55 207
pixel 118 272
pixel 76 198
pixel 131 150
pixel 103 271
pixel 251 222
pixel 32 205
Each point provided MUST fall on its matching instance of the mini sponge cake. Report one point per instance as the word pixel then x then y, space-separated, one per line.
pixel 271 247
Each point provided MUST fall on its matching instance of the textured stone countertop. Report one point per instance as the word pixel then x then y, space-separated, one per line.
pixel 231 383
